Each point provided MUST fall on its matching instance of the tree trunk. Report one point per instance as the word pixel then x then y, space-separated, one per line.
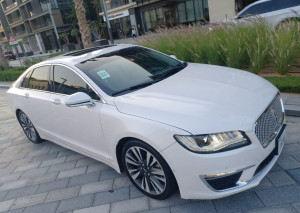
pixel 3 60
pixel 84 28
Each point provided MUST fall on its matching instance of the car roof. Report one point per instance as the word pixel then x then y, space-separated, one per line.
pixel 75 57
pixel 250 5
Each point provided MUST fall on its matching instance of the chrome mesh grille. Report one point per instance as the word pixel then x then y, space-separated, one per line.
pixel 269 122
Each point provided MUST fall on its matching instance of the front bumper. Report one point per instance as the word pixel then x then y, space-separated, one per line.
pixel 251 163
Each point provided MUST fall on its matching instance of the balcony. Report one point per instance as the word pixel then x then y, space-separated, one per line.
pixel 115 4
pixel 14 20
pixel 39 10
pixel 11 6
pixel 41 25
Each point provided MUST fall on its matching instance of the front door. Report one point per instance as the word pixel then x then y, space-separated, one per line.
pixel 78 127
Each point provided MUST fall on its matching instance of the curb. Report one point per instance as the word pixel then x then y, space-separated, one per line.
pixel 4 86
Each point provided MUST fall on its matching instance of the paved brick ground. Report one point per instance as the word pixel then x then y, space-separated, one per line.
pixel 48 178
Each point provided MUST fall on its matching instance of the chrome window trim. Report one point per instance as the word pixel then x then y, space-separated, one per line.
pixel 101 99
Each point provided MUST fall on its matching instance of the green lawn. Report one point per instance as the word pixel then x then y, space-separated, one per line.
pixel 11 74
pixel 289 84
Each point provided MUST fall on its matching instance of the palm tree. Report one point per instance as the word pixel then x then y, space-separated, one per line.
pixel 84 27
pixel 3 60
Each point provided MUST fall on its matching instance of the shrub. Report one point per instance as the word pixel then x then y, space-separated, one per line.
pixel 284 48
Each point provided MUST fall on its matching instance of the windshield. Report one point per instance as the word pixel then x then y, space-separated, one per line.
pixel 129 69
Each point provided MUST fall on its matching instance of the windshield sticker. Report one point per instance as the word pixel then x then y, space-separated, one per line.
pixel 103 74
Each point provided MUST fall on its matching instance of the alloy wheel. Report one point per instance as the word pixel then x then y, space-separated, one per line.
pixel 27 127
pixel 145 170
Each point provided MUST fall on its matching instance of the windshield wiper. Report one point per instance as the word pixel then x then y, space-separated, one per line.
pixel 139 86
pixel 171 71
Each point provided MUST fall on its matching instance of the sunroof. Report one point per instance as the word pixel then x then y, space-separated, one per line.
pixel 84 51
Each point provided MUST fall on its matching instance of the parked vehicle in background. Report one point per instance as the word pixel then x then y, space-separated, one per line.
pixel 211 131
pixel 10 55
pixel 274 12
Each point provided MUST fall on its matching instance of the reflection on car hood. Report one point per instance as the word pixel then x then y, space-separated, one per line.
pixel 202 99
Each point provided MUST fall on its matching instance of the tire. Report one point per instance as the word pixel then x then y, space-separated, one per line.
pixel 28 128
pixel 147 170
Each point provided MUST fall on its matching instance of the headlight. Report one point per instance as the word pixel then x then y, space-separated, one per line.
pixel 211 143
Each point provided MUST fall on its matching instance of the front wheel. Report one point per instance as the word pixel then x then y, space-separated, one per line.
pixel 28 128
pixel 147 170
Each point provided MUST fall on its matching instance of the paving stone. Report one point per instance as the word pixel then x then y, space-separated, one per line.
pixel 29 200
pixel 10 177
pixel 20 192
pixel 280 195
pixel 43 178
pixel 96 187
pixel 172 201
pixel 108 174
pixel 101 209
pixel 17 210
pixel 53 185
pixel 2 195
pixel 275 168
pixel 133 205
pixel 277 209
pixel 65 153
pixel 280 178
pixel 161 210
pixel 27 166
pixel 56 148
pixel 76 203
pixel 288 163
pixel 61 194
pixel 53 161
pixel 295 174
pixel 248 200
pixel 135 193
pixel 45 157
pixel 197 207
pixel 5 205
pixel 83 179
pixel 34 172
pixel 265 183
pixel 71 172
pixel 61 167
pixel 37 153
pixel 113 196
pixel 297 207
pixel 86 162
pixel 42 208
pixel 13 185
pixel 74 157
pixel 97 167
pixel 121 182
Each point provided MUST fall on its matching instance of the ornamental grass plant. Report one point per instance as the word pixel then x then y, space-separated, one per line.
pixel 232 45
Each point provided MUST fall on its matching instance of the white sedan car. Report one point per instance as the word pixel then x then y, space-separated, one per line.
pixel 210 131
pixel 274 12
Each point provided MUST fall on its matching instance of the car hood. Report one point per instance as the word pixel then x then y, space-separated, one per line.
pixel 202 99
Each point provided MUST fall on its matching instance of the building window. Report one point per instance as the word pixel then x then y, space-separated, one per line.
pixel 193 11
pixel 154 18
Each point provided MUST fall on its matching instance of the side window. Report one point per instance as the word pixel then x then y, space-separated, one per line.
pixel 39 79
pixel 258 9
pixel 68 82
pixel 26 80
pixel 279 4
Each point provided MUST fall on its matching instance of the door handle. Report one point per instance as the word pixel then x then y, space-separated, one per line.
pixel 26 95
pixel 56 101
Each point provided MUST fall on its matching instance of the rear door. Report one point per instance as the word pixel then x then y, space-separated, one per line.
pixel 34 97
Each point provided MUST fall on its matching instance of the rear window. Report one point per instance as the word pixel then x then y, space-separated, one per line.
pixel 39 79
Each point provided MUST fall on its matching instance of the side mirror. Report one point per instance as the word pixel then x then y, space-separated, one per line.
pixel 79 99
pixel 173 56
